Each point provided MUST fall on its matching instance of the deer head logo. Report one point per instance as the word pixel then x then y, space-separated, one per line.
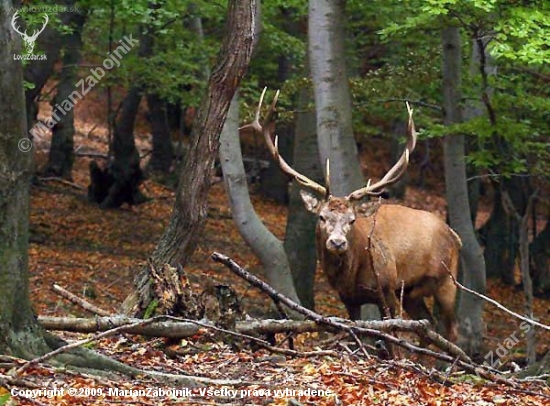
pixel 29 40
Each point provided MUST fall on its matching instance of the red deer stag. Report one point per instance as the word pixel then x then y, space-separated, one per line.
pixel 383 247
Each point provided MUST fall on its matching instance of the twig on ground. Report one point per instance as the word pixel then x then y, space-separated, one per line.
pixel 60 180
pixel 79 301
pixel 257 340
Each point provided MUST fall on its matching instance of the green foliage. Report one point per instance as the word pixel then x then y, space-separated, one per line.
pixel 393 54
pixel 516 141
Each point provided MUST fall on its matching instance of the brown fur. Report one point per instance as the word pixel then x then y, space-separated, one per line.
pixel 405 244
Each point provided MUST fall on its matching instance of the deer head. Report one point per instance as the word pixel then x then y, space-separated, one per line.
pixel 29 40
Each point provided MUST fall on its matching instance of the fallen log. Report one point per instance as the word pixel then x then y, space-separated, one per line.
pixel 180 328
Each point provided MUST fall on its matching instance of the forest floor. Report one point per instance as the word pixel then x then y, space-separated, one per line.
pixel 95 254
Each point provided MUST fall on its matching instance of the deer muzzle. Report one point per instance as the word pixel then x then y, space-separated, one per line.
pixel 337 244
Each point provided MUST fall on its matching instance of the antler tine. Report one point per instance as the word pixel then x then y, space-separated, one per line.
pixel 13 23
pixel 263 128
pixel 37 32
pixel 397 171
pixel 271 110
pixel 327 177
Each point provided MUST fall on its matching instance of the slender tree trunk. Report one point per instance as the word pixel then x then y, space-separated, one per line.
pixel 125 170
pixel 332 94
pixel 191 206
pixel 335 136
pixel 500 234
pixel 300 227
pixel 274 183
pixel 399 129
pixel 523 219
pixel 163 150
pixel 470 308
pixel 540 260
pixel 61 158
pixel 264 244
pixel 38 72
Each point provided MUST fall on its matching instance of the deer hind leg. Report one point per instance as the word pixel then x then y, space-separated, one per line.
pixel 416 309
pixel 445 298
pixel 392 302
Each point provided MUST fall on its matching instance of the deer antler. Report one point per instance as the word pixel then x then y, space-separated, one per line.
pixel 37 32
pixel 13 23
pixel 263 128
pixel 397 171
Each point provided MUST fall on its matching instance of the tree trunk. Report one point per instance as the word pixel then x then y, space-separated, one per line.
pixel 470 307
pixel 333 100
pixel 274 183
pixel 399 129
pixel 332 95
pixel 540 260
pixel 38 72
pixel 264 244
pixel 163 150
pixel 500 234
pixel 300 227
pixel 20 334
pixel 125 169
pixel 61 157
pixel 191 206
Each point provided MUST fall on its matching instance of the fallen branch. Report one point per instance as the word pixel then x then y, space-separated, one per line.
pixel 177 328
pixel 92 155
pixel 60 180
pixel 79 301
pixel 156 328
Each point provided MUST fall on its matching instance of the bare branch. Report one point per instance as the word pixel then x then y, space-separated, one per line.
pixel 497 304
pixel 79 301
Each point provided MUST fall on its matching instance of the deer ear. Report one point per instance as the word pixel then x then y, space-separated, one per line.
pixel 367 209
pixel 311 202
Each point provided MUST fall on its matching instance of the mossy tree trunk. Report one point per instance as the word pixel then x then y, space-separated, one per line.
pixel 20 334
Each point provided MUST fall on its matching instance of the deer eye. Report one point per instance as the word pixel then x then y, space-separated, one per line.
pixel 322 217
pixel 351 221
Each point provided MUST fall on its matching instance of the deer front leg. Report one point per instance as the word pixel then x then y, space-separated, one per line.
pixel 354 311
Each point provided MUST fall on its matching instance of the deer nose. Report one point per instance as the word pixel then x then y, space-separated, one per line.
pixel 337 244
